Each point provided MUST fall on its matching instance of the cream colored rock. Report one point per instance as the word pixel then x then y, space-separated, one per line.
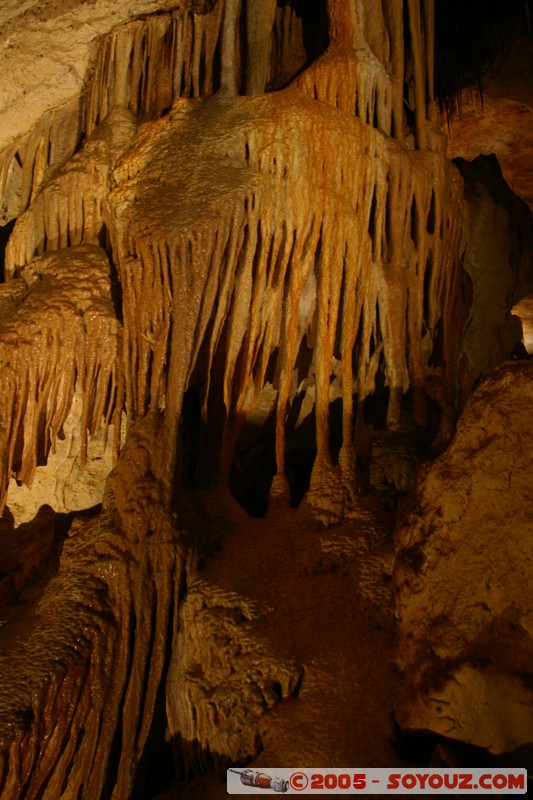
pixel 61 332
pixel 63 483
pixel 45 51
pixel 524 310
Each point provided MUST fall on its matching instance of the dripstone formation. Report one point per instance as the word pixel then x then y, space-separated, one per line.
pixel 247 299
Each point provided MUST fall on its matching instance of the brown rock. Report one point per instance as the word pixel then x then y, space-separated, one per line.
pixel 462 577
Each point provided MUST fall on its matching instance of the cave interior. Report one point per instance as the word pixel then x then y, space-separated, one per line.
pixel 266 327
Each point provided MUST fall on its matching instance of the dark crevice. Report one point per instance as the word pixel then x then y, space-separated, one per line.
pixel 104 241
pixel 298 685
pixel 314 19
pixel 278 692
pixel 469 37
pixel 190 435
pixel 156 768
pixel 314 15
pixel 5 233
pixel 253 467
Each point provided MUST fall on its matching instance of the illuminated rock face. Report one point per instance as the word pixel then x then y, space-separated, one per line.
pixel 294 225
pixel 501 121
pixel 61 338
pixel 194 258
pixel 466 655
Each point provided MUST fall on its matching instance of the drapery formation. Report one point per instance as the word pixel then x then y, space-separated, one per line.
pixel 291 224
pixel 337 239
pixel 298 243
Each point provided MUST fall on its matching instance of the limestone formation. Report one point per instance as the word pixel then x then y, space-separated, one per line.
pixel 242 265
pixel 466 655
pixel 61 338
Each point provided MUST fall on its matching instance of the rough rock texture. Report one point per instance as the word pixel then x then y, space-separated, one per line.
pixel 503 127
pixel 85 648
pixel 65 483
pixel 500 121
pixel 273 659
pixel 499 268
pixel 62 332
pixel 462 578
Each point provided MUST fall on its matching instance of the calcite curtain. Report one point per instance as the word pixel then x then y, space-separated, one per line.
pixel 249 203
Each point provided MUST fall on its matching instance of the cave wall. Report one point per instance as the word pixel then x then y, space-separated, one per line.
pixel 466 655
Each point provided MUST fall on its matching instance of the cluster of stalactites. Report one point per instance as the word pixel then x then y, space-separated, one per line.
pixel 60 334
pixel 341 237
pixel 374 67
pixel 358 85
pixel 379 61
pixel 67 212
pixel 27 163
pixel 145 64
pixel 68 209
pixel 379 65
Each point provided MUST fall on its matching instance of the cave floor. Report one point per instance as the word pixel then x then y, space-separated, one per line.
pixel 329 608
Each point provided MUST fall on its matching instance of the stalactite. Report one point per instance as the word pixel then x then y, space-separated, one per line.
pixel 67 211
pixel 429 32
pixel 70 336
pixel 260 18
pixel 417 43
pixel 206 264
pixel 27 163
pixel 395 22
pixel 228 73
pixel 144 65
